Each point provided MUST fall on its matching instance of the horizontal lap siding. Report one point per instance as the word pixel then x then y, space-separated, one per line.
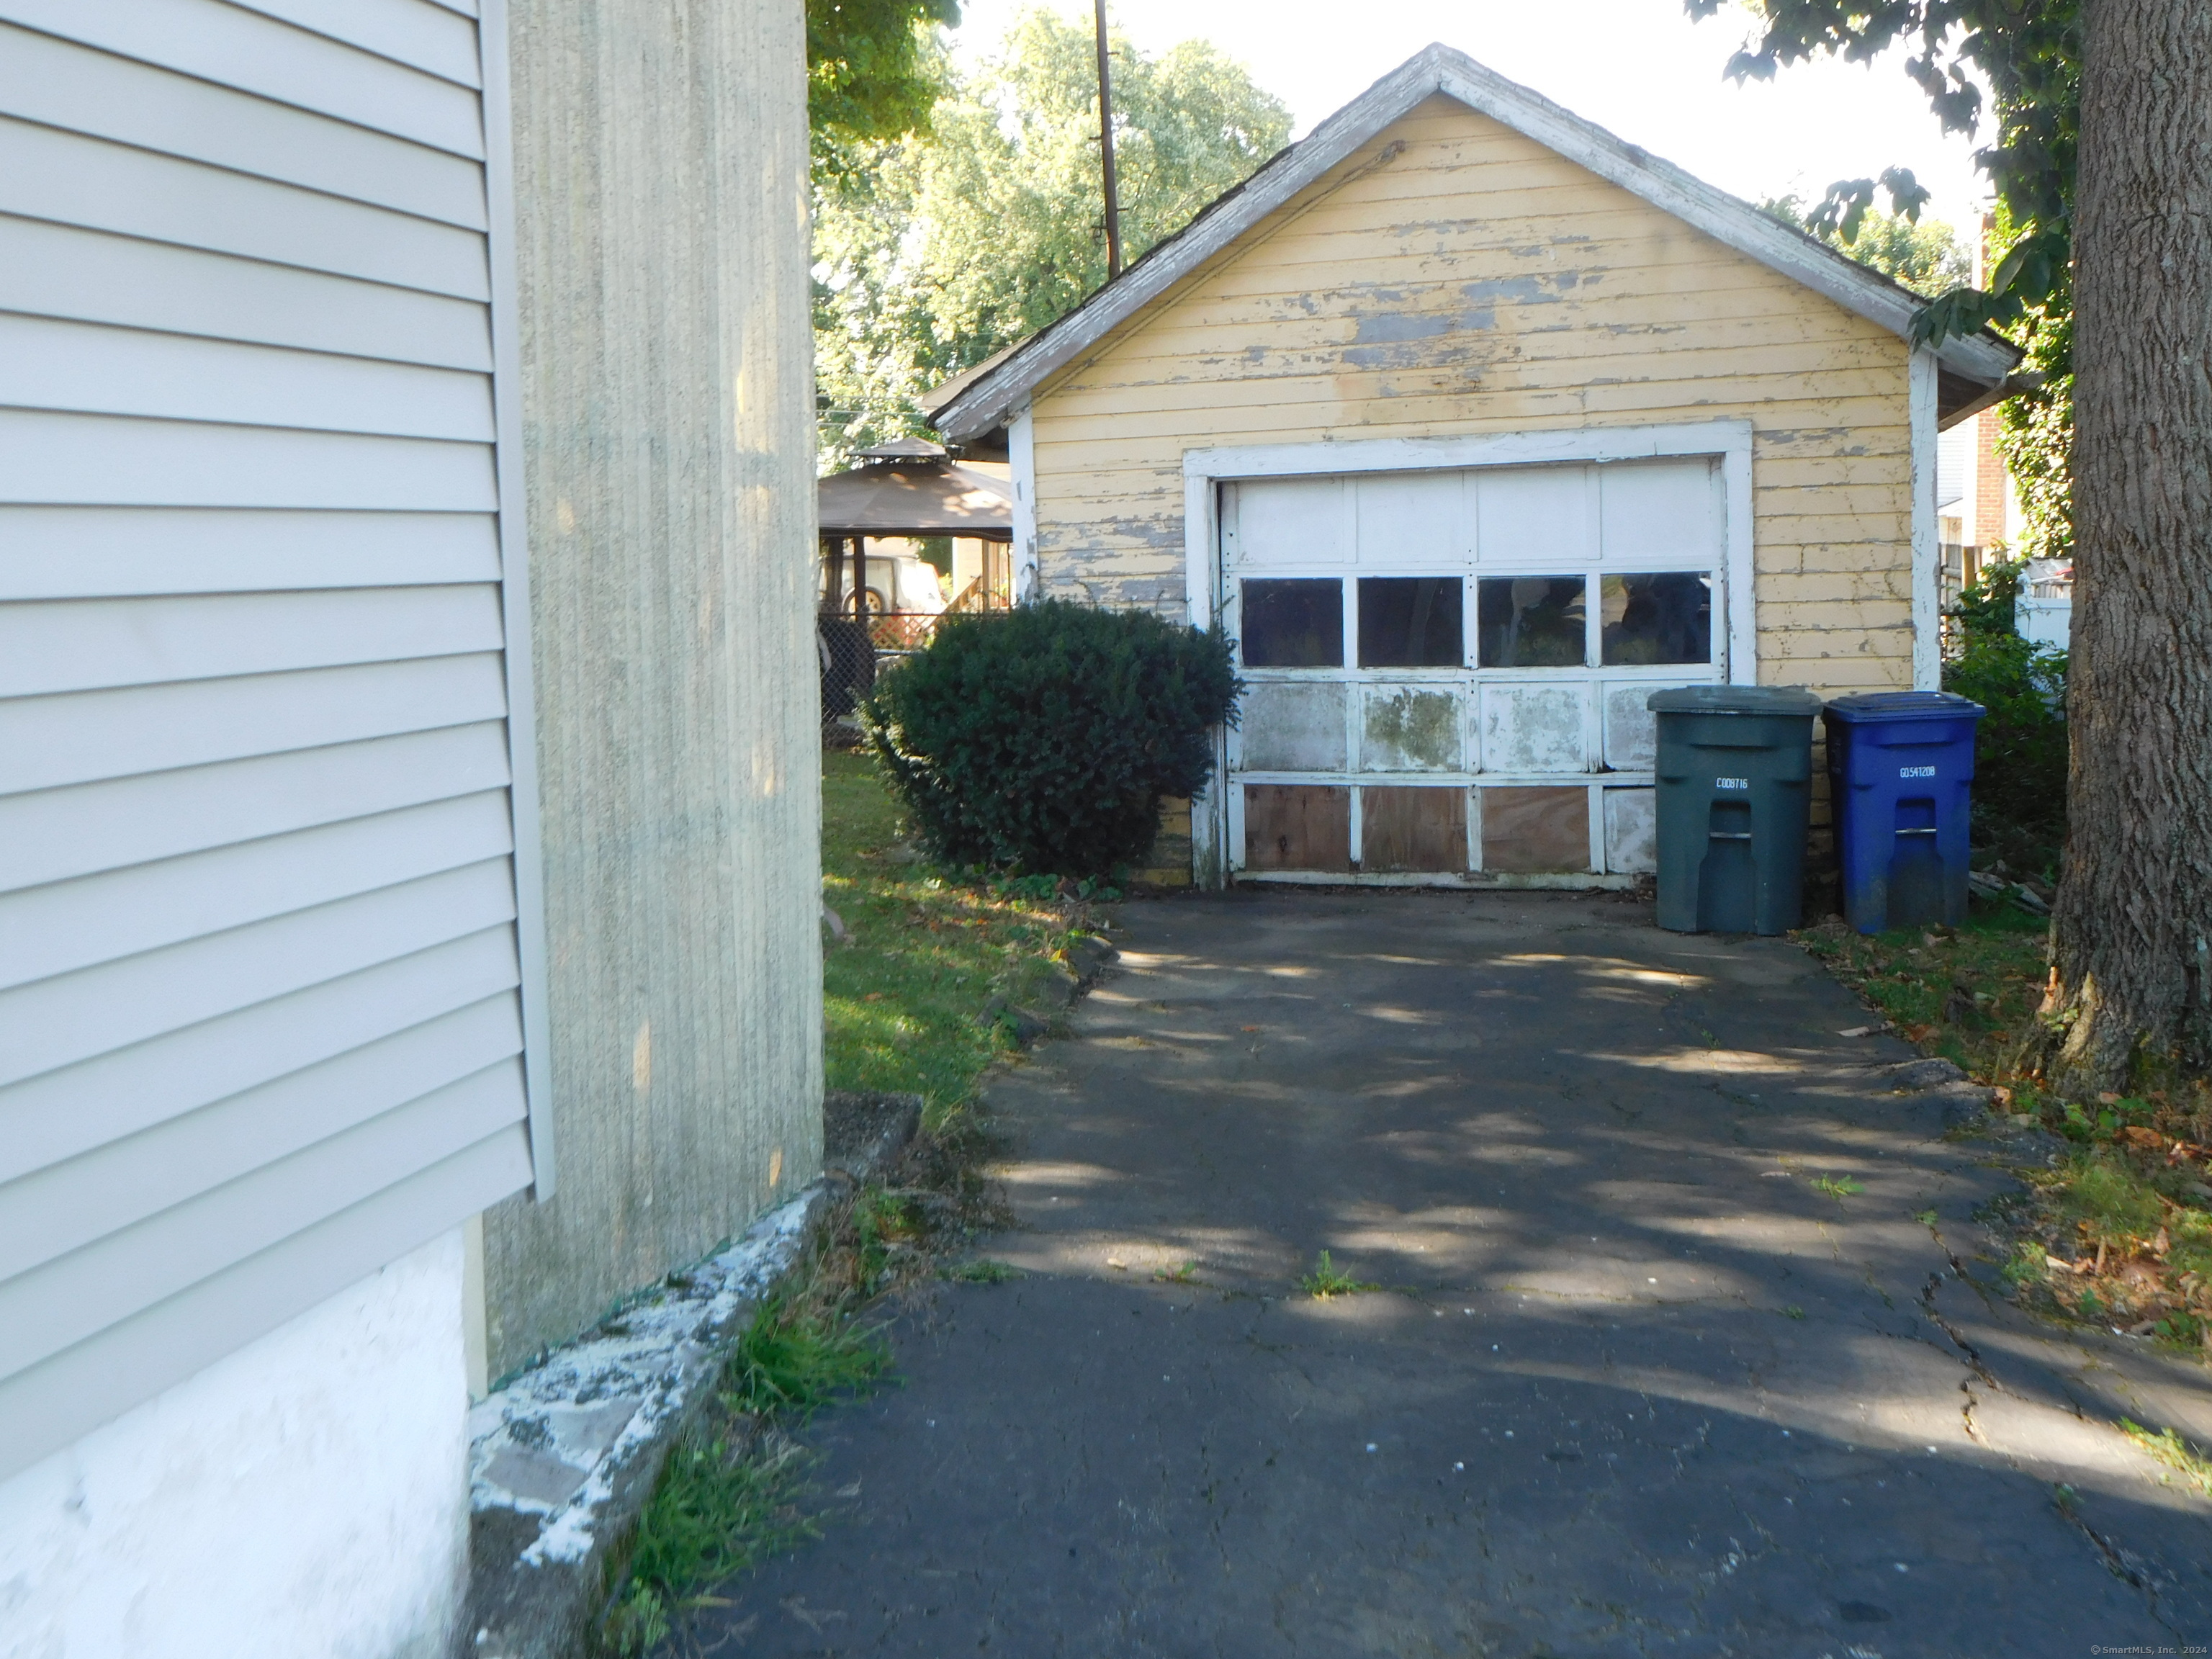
pixel 1474 282
pixel 260 1029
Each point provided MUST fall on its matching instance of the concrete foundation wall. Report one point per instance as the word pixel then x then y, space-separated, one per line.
pixel 660 171
pixel 305 1497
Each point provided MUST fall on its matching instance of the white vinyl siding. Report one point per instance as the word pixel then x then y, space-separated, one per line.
pixel 261 963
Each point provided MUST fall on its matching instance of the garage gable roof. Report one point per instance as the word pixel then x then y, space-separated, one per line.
pixel 970 405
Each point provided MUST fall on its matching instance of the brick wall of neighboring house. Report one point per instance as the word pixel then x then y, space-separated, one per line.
pixel 1990 522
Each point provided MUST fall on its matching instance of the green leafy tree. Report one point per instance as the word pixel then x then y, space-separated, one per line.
pixel 2035 434
pixel 2099 118
pixel 946 246
pixel 2019 761
pixel 1928 258
pixel 873 72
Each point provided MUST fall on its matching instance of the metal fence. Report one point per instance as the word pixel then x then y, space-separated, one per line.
pixel 852 655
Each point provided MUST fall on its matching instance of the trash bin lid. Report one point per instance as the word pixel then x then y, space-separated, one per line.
pixel 1865 708
pixel 1734 700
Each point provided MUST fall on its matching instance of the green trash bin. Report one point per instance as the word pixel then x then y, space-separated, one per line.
pixel 1734 770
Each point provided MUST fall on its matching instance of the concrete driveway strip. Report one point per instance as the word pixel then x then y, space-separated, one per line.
pixel 1665 1364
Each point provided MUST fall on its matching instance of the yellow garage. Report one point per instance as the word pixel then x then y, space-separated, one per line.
pixel 1475 425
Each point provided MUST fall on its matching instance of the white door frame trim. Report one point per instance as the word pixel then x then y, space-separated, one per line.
pixel 1205 470
pixel 1021 455
pixel 1927 550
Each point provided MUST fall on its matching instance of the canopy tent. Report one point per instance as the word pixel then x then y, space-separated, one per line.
pixel 911 487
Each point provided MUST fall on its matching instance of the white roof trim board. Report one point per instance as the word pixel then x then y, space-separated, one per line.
pixel 993 396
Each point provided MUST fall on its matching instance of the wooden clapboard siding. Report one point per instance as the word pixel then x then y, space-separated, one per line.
pixel 1456 277
pixel 260 981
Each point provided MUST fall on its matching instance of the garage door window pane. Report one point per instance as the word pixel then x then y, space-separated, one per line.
pixel 1410 622
pixel 1530 622
pixel 1294 624
pixel 1663 618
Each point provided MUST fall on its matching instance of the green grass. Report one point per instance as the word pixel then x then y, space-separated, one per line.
pixel 741 1495
pixel 899 1000
pixel 1988 972
pixel 1838 1189
pixel 2118 1231
pixel 2177 1453
pixel 983 1271
pixel 793 1360
pixel 719 1509
pixel 1327 1280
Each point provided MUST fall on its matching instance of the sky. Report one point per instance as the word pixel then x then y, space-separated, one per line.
pixel 1639 68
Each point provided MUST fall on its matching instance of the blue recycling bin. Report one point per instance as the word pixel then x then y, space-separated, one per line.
pixel 1901 780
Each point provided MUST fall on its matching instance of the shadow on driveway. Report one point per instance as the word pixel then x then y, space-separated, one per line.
pixel 1638 1384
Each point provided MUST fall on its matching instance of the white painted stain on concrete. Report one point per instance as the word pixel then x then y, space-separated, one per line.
pixel 304 1497
pixel 552 1440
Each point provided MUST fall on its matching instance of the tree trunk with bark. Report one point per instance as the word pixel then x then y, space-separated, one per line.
pixel 2132 979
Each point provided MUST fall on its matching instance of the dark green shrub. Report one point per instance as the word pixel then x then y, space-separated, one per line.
pixel 1043 739
pixel 2019 751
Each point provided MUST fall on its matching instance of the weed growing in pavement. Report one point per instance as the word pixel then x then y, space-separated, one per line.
pixel 720 1507
pixel 794 1358
pixel 1839 1188
pixel 1185 1275
pixel 738 1494
pixel 983 1271
pixel 2177 1453
pixel 1793 1311
pixel 1326 1280
pixel 920 955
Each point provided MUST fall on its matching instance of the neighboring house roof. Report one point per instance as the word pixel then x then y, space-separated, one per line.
pixel 1972 370
pixel 916 495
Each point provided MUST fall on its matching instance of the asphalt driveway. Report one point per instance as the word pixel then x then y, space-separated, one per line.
pixel 1671 1357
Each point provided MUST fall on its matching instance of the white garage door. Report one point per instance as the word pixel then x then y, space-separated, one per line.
pixel 1446 671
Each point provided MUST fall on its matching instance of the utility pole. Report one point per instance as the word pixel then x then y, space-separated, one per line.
pixel 1106 150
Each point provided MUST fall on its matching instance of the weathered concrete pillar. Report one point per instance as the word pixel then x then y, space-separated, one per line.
pixel 660 177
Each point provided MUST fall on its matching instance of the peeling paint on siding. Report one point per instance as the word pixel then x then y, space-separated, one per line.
pixel 1485 285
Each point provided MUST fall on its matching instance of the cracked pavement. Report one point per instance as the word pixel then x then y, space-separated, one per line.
pixel 1636 1385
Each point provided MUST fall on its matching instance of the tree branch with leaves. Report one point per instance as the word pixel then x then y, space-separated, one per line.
pixel 2099 118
